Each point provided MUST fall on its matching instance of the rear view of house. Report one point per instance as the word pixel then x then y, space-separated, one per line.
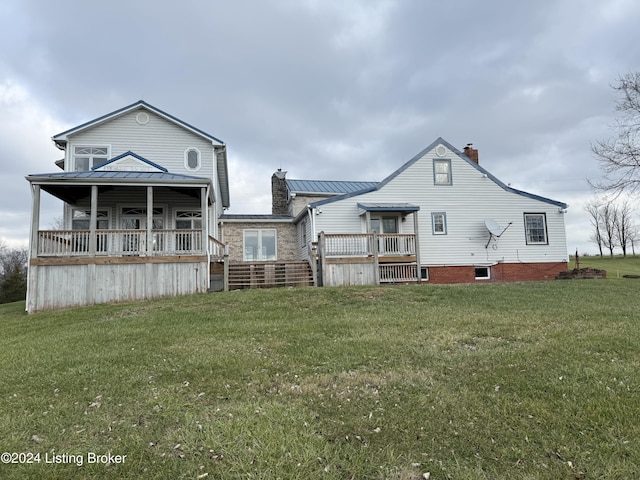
pixel 439 218
pixel 142 192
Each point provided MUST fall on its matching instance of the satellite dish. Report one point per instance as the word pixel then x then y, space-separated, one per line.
pixel 493 227
pixel 495 230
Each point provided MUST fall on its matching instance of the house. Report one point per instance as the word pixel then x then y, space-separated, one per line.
pixel 439 218
pixel 145 195
pixel 142 193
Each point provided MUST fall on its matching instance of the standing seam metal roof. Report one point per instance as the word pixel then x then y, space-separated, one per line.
pixel 327 186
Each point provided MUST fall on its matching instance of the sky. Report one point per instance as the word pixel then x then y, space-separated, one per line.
pixel 323 89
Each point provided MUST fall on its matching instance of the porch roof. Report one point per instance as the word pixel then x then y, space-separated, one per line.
pixel 388 207
pixel 71 186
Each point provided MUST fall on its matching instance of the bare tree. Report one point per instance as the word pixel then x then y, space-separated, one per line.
pixel 593 208
pixel 609 215
pixel 619 156
pixel 624 225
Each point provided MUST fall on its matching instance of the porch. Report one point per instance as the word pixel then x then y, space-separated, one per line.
pixel 367 259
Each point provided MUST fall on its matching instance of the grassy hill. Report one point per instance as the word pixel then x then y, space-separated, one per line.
pixel 519 381
pixel 616 266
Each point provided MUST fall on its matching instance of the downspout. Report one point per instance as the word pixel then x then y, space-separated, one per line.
pixel 310 212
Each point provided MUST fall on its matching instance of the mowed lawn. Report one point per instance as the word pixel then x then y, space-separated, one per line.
pixel 520 381
pixel 616 266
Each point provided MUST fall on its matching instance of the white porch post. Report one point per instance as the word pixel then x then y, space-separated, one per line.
pixel 205 226
pixel 149 247
pixel 93 220
pixel 417 240
pixel 35 220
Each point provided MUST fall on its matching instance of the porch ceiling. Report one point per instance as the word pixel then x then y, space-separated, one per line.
pixel 73 186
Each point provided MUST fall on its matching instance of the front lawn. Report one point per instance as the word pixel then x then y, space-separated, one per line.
pixel 520 381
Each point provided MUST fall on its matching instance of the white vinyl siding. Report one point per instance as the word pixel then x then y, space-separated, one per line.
pixel 471 199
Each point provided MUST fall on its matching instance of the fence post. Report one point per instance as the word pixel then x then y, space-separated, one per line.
pixel 225 260
pixel 322 280
pixel 376 266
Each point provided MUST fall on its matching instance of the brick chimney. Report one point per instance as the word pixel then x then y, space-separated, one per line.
pixel 279 193
pixel 472 153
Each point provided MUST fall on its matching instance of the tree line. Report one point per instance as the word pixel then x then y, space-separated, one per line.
pixel 611 214
pixel 13 273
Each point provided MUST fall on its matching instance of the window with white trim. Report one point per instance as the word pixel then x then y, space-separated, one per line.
pixel 442 172
pixel 259 244
pixel 192 159
pixel 86 157
pixel 190 220
pixel 80 219
pixel 439 223
pixel 535 227
pixel 483 273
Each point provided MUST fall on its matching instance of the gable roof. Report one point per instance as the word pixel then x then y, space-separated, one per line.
pixel 61 138
pixel 333 187
pixel 417 157
pixel 129 162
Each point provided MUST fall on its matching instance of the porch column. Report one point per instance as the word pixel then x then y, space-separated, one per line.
pixel 417 240
pixel 149 248
pixel 35 220
pixel 367 219
pixel 203 207
pixel 93 220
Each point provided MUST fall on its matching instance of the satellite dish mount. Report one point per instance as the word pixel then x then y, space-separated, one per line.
pixel 495 230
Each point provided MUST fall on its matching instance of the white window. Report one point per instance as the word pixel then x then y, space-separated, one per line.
pixel 483 273
pixel 442 172
pixel 188 220
pixel 259 245
pixel 439 223
pixel 80 219
pixel 87 157
pixel 535 226
pixel 192 159
pixel 384 224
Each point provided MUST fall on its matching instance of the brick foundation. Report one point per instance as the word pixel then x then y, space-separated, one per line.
pixel 502 272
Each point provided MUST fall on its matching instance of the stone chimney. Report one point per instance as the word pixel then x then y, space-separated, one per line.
pixel 472 153
pixel 279 193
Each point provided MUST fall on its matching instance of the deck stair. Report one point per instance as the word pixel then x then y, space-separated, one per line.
pixel 244 275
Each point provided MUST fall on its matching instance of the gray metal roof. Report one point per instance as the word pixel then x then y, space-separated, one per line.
pixel 238 217
pixel 117 176
pixel 388 207
pixel 333 187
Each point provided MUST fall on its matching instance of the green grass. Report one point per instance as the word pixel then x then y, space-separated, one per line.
pixel 518 381
pixel 616 266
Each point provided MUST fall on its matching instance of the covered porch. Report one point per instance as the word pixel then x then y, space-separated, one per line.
pixel 382 255
pixel 126 236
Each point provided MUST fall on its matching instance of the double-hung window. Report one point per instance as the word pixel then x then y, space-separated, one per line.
pixel 439 223
pixel 442 172
pixel 535 227
pixel 87 157
pixel 259 244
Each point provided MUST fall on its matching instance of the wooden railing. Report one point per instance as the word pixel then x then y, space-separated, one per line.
pixel 398 272
pixel 216 248
pixel 363 244
pixel 62 243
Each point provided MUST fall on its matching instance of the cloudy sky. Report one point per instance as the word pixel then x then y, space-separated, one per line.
pixel 324 89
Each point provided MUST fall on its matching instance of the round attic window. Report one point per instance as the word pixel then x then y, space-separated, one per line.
pixel 142 118
pixel 441 150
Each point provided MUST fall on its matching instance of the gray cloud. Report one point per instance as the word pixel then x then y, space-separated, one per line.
pixel 323 89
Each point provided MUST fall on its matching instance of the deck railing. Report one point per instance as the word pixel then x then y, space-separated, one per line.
pixel 362 244
pixel 68 243
pixel 216 248
pixel 398 272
